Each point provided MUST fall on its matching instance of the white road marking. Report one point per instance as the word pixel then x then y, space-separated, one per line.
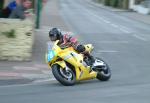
pixel 25 68
pixel 107 51
pixel 114 25
pixel 39 79
pixel 47 72
pixel 29 84
pixel 43 66
pixel 119 42
pixel 44 80
pixel 124 30
pixel 139 37
pixel 106 21
pixel 120 27
pixel 100 18
pixel 34 76
pixel 123 27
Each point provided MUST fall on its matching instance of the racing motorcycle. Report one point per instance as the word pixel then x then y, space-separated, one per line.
pixel 69 67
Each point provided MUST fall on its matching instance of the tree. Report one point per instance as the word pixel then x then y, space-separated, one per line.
pixel 107 2
pixel 125 4
pixel 114 3
pixel 1 4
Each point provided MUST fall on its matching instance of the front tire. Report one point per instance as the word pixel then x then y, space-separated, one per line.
pixel 103 73
pixel 66 78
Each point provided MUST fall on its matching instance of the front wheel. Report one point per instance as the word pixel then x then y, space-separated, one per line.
pixel 103 72
pixel 65 77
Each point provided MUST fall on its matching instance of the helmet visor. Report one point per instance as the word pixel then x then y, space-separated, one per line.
pixel 53 38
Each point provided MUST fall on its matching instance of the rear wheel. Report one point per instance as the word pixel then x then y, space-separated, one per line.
pixel 103 72
pixel 65 77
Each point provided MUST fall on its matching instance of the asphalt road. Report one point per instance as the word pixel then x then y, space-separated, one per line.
pixel 123 43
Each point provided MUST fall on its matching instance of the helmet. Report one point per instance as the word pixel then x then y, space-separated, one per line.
pixel 55 34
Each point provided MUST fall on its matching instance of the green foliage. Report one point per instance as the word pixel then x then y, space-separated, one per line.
pixel 1 4
pixel 114 3
pixel 100 1
pixel 125 4
pixel 10 34
pixel 107 2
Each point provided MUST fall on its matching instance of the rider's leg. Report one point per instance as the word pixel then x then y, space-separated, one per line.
pixel 90 59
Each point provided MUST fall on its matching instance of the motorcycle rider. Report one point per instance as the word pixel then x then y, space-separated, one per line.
pixel 66 40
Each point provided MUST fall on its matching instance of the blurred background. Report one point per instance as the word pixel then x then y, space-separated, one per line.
pixel 19 19
pixel 30 15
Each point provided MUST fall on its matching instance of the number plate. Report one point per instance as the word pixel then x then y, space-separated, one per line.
pixel 51 55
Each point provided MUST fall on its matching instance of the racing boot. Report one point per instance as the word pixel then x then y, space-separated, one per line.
pixel 90 60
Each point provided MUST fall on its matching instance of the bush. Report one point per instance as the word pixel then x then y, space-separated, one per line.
pixel 107 2
pixel 10 34
pixel 125 4
pixel 1 4
pixel 114 3
pixel 101 1
pixel 117 3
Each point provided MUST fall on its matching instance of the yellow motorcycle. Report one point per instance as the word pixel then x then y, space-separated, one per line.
pixel 68 66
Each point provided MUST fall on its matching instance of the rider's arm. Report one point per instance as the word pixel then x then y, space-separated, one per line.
pixel 72 41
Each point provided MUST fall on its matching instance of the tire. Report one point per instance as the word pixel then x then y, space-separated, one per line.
pixel 104 75
pixel 56 70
